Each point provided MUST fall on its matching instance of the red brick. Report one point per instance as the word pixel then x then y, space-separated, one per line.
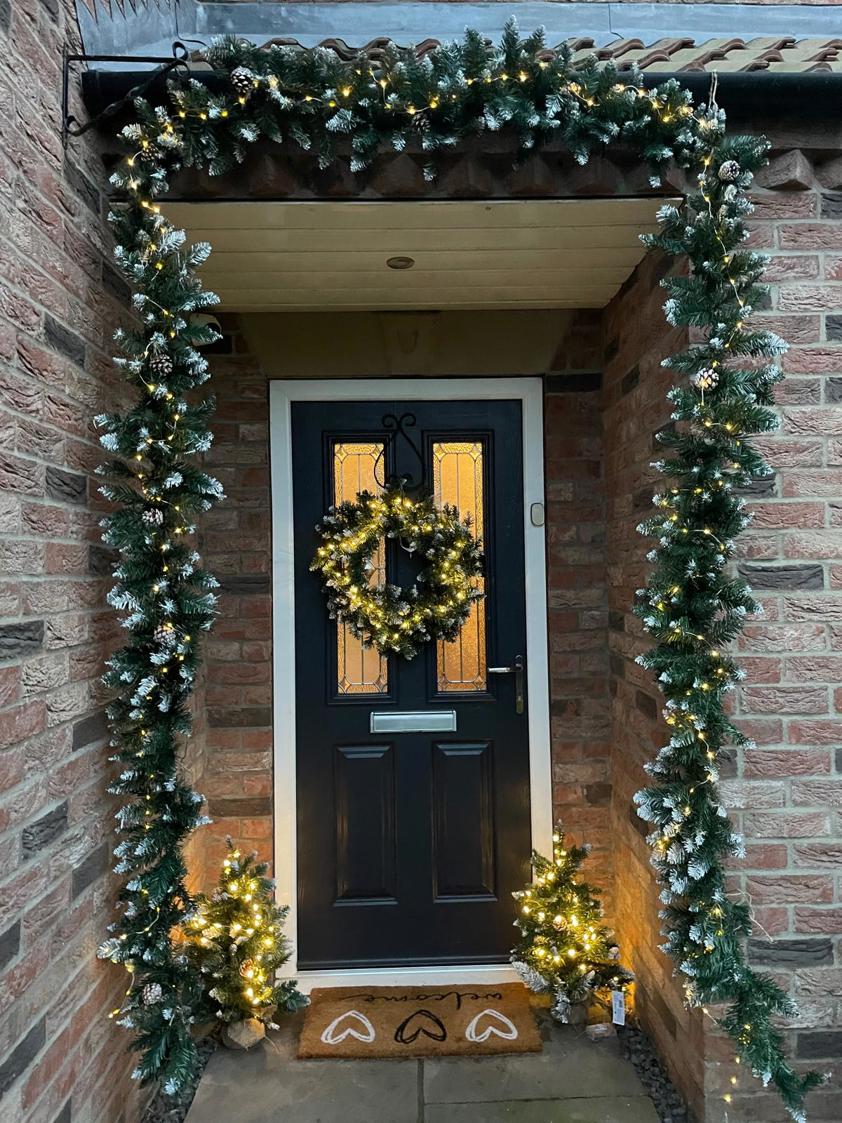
pixel 810 298
pixel 20 722
pixel 9 689
pixel 812 483
pixel 810 421
pixel 783 452
pixel 816 732
pixel 822 359
pixel 785 204
pixel 777 516
pixel 765 856
pixel 812 544
pixel 824 792
pixel 792 267
pixel 790 889
pixel 819 920
pixel 786 824
pixel 769 921
pixel 762 670
pixel 794 329
pixel 814 668
pixel 818 854
pixel 20 475
pixel 810 235
pixel 785 699
pixel 770 638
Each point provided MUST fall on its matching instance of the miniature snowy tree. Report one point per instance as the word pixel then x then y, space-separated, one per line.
pixel 564 947
pixel 236 940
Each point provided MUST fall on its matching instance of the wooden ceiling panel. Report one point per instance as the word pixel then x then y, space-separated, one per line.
pixel 554 253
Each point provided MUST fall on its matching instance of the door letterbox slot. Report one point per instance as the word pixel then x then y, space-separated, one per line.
pixel 413 721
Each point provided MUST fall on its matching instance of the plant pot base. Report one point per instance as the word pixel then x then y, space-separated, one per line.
pixel 243 1035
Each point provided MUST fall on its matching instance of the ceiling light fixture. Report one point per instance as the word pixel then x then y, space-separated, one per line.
pixel 400 262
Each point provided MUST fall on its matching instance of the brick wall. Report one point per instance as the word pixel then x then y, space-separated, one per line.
pixel 577 597
pixel 784 795
pixel 236 544
pixel 636 338
pixel 59 300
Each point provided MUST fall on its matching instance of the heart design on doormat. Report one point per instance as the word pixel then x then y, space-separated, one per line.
pixel 333 1035
pixel 505 1028
pixel 422 1021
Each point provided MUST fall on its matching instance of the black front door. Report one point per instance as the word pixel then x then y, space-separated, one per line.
pixel 410 843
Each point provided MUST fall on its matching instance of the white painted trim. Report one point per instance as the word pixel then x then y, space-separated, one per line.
pixel 479 975
pixel 281 395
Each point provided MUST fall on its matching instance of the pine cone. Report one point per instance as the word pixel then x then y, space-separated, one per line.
pixel 151 994
pixel 153 516
pixel 728 171
pixel 160 365
pixel 165 635
pixel 705 379
pixel 242 80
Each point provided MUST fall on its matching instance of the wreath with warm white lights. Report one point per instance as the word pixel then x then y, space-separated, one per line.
pixel 692 606
pixel 386 616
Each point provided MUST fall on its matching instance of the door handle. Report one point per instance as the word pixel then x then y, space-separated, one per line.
pixel 517 669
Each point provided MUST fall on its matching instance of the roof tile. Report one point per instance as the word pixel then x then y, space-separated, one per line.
pixel 772 53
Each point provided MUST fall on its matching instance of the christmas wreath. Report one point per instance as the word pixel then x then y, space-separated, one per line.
pixel 387 616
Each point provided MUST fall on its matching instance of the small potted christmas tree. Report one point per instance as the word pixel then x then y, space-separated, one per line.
pixel 564 948
pixel 236 939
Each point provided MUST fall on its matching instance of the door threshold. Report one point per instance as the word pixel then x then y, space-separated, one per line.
pixel 459 974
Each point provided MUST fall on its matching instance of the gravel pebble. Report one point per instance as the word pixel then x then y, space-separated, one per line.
pixel 639 1050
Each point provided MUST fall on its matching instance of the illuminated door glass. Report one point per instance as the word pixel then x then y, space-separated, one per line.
pixel 457 480
pixel 360 670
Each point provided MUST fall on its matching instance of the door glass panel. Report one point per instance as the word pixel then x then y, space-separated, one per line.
pixel 458 480
pixel 360 670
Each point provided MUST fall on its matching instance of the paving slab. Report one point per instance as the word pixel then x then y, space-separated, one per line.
pixel 594 1109
pixel 574 1080
pixel 268 1084
pixel 569 1067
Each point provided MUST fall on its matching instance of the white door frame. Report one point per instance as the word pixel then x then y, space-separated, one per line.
pixel 282 393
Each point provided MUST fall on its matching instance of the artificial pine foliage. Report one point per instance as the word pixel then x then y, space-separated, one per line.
pixel 691 606
pixel 237 943
pixel 166 600
pixel 388 617
pixel 564 946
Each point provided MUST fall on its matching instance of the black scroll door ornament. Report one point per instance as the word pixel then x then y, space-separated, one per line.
pixel 394 428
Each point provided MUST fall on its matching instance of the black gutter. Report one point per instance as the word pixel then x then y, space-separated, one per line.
pixel 761 94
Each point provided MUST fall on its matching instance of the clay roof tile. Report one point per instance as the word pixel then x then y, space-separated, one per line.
pixel 772 53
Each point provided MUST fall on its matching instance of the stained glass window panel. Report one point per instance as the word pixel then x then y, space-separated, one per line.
pixel 360 670
pixel 458 480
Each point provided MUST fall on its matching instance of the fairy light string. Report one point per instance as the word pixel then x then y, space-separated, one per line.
pixel 385 616
pixel 691 607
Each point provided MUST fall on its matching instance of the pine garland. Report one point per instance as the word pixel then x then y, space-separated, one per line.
pixel 691 606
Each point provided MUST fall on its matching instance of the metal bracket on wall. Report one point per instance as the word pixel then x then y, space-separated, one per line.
pixel 71 127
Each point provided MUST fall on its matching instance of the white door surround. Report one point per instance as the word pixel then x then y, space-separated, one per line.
pixel 281 395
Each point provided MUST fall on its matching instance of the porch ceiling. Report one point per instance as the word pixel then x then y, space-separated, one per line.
pixel 548 253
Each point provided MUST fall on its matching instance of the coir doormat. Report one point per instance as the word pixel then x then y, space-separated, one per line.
pixel 419 1022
